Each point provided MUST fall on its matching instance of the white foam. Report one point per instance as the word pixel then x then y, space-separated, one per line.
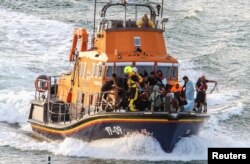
pixel 19 140
pixel 140 147
pixel 225 105
pixel 135 147
pixel 192 13
pixel 37 45
pixel 32 46
pixel 14 106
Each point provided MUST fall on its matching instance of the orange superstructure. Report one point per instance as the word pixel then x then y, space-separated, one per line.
pixel 114 47
pixel 152 44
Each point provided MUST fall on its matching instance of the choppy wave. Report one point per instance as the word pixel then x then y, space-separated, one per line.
pixel 193 12
pixel 14 106
pixel 32 46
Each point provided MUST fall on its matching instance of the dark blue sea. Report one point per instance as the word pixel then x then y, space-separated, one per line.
pixel 207 37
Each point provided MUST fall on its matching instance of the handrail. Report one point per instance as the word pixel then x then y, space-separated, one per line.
pixel 104 9
pixel 62 112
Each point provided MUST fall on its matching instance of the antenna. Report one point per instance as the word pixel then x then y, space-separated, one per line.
pixel 94 21
pixel 162 8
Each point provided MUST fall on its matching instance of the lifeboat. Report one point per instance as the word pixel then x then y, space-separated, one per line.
pixel 93 101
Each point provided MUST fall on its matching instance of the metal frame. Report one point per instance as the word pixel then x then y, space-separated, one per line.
pixel 153 13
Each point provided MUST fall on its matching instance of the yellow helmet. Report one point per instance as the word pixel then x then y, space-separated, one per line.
pixel 128 70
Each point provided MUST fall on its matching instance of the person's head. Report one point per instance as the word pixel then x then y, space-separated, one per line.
pixel 128 70
pixel 159 73
pixel 185 78
pixel 177 85
pixel 156 88
pixel 114 75
pixel 152 73
pixel 145 74
pixel 202 78
pixel 145 17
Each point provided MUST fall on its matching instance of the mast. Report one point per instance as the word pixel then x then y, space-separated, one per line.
pixel 94 23
pixel 125 14
pixel 162 8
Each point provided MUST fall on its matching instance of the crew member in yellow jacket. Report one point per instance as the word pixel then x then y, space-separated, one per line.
pixel 144 22
pixel 133 85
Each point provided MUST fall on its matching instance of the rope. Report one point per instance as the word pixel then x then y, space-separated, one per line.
pixel 215 87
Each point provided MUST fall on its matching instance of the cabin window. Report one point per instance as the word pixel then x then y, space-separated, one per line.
pixel 120 71
pixel 109 71
pixel 145 70
pixel 137 41
pixel 174 72
pixel 166 71
pixel 82 71
pixel 98 70
pixel 93 69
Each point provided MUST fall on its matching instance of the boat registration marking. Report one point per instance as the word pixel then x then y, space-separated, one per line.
pixel 113 130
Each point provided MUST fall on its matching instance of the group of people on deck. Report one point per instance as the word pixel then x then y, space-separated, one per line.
pixel 145 92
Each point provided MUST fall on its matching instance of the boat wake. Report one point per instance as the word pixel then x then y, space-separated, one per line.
pixel 135 147
pixel 132 147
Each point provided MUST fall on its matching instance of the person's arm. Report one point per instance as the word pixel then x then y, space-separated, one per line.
pixel 140 79
pixel 197 86
pixel 150 97
pixel 211 81
pixel 117 87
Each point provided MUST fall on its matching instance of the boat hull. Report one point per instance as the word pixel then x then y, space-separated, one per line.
pixel 167 129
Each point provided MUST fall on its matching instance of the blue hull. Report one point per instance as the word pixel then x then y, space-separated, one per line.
pixel 167 129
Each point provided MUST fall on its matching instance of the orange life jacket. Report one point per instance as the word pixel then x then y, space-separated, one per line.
pixel 174 89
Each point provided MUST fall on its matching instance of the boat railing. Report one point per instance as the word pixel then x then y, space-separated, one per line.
pixel 110 24
pixel 109 101
pixel 58 112
pixel 46 88
pixel 42 89
pixel 135 14
pixel 61 112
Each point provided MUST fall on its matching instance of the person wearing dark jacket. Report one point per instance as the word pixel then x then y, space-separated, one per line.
pixel 201 87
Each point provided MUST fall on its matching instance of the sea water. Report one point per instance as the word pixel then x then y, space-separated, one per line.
pixel 207 37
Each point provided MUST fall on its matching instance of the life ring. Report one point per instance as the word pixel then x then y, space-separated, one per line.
pixel 42 83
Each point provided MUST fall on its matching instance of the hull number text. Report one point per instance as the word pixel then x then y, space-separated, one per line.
pixel 115 130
